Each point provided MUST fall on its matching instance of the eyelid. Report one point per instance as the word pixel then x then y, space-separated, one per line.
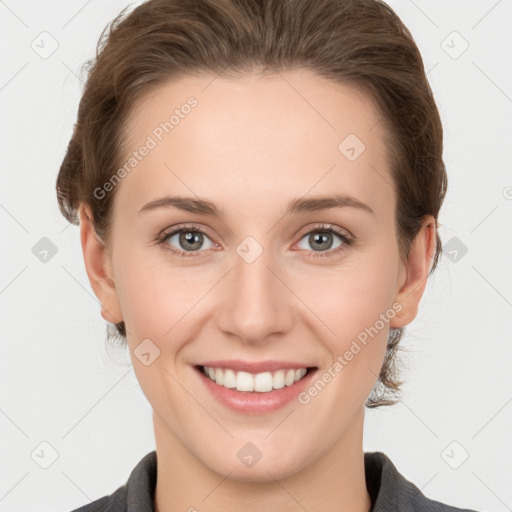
pixel 191 226
pixel 325 226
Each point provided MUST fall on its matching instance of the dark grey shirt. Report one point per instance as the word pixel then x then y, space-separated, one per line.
pixel 389 491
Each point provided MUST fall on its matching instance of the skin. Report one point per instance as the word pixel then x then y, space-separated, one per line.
pixel 250 146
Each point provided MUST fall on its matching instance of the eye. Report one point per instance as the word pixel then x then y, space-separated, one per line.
pixel 190 238
pixel 321 241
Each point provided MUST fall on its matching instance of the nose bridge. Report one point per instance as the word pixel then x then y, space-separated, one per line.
pixel 253 279
pixel 257 304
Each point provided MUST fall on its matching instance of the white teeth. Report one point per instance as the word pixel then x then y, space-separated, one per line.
pixel 260 382
pixel 263 382
pixel 278 380
pixel 229 379
pixel 244 381
pixel 290 377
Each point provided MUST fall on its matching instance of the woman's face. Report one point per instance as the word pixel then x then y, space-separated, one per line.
pixel 263 281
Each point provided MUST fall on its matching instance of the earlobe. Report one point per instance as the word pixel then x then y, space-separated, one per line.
pixel 98 267
pixel 417 269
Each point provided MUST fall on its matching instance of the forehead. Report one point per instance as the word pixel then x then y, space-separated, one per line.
pixel 289 133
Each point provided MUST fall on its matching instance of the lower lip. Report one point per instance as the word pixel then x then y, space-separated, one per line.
pixel 254 402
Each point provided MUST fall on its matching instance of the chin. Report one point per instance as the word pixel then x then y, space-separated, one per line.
pixel 266 466
pixel 262 473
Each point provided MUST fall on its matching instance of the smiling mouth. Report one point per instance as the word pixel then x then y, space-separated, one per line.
pixel 263 382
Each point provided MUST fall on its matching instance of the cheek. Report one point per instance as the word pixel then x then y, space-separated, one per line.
pixel 351 297
pixel 355 302
pixel 360 322
pixel 153 293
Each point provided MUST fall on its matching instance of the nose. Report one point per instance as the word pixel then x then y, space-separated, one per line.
pixel 255 301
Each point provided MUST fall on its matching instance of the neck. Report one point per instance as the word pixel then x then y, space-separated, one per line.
pixel 335 482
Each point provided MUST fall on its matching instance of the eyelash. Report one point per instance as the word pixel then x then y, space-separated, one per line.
pixel 326 228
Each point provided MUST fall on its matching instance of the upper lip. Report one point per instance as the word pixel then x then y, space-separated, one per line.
pixel 254 367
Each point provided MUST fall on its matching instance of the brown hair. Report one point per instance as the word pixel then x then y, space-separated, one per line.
pixel 353 42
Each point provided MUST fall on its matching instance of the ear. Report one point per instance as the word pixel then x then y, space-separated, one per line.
pixel 413 275
pixel 99 267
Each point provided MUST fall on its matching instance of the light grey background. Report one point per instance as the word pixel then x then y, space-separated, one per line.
pixel 60 386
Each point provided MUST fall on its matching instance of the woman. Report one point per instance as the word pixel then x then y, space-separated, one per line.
pixel 219 145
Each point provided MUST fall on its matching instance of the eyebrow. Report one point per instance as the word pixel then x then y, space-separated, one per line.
pixel 298 205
